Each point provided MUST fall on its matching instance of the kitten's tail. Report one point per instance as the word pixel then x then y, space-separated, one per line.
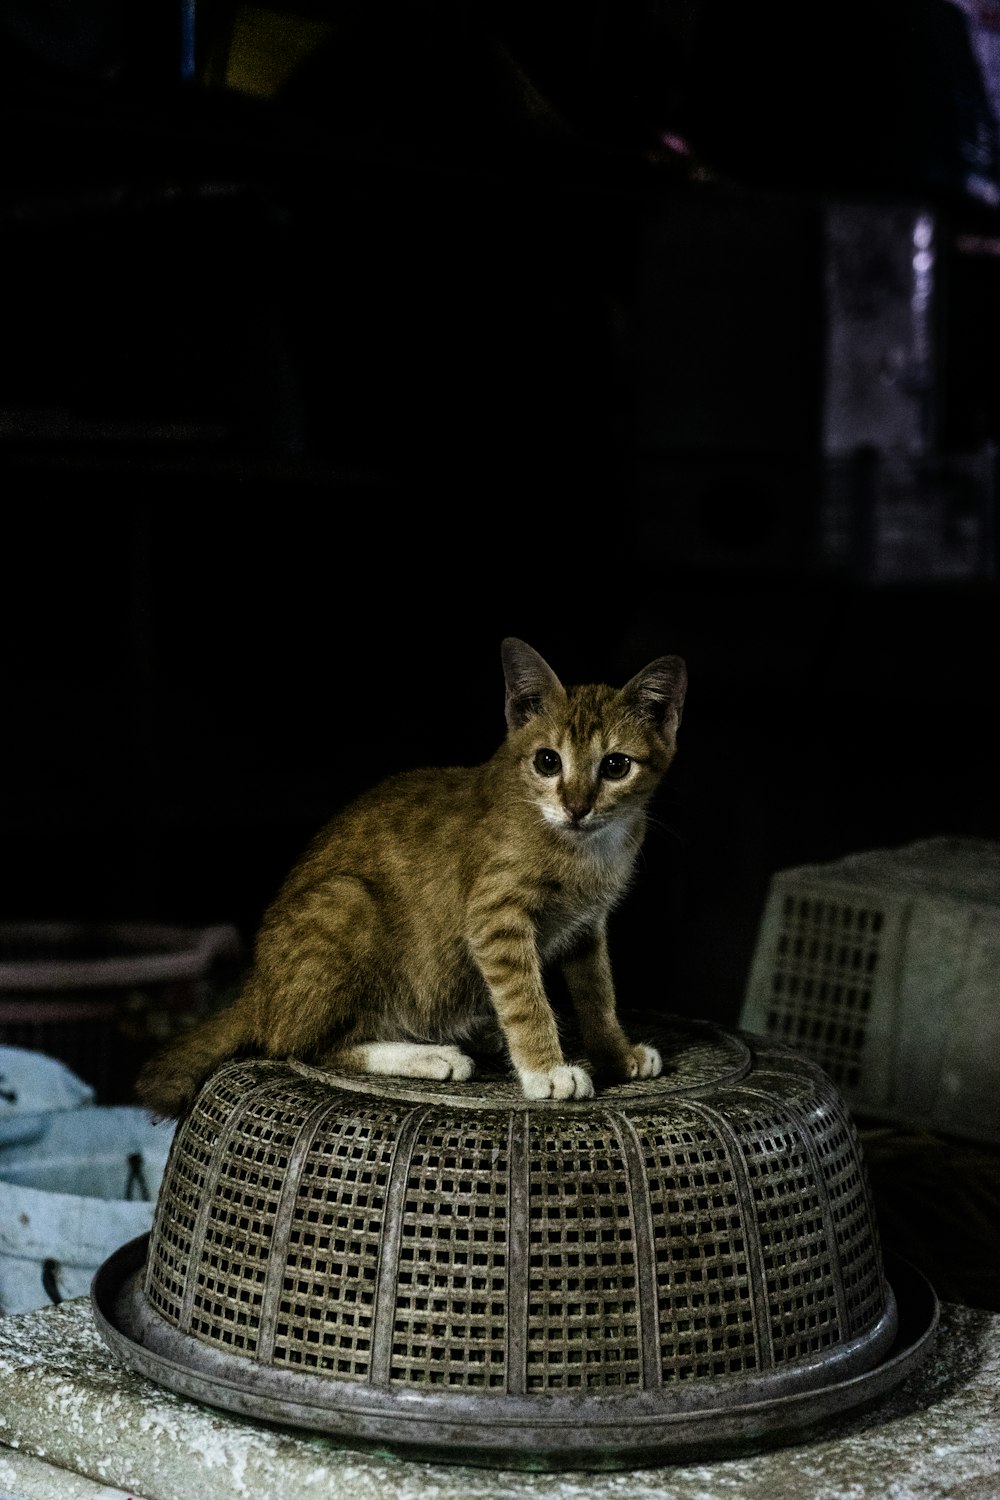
pixel 168 1083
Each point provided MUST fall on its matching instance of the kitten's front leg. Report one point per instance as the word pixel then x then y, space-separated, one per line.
pixel 587 971
pixel 502 942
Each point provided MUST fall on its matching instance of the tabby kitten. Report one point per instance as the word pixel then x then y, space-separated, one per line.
pixel 422 915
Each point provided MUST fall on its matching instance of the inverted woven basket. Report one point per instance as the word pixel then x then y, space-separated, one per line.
pixel 678 1264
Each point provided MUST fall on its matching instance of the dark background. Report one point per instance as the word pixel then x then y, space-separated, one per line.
pixel 341 341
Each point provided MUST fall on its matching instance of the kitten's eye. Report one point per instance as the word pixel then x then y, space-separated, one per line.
pixel 547 762
pixel 615 767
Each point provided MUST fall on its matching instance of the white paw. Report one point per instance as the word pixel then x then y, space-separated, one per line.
pixel 563 1082
pixel 645 1062
pixel 444 1062
pixel 415 1060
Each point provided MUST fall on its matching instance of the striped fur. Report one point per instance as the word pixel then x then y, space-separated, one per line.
pixel 421 917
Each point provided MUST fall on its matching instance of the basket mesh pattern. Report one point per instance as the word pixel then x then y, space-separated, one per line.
pixel 826 959
pixel 238 1230
pixel 452 1279
pixel 704 1298
pixel 324 1314
pixel 191 1166
pixel 798 1262
pixel 654 1237
pixel 583 1291
pixel 831 1131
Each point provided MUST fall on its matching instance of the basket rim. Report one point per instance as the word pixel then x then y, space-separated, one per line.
pixel 600 1432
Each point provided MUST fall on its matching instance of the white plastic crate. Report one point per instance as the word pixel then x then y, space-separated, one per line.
pixel 884 968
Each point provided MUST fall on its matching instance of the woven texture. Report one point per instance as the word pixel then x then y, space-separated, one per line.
pixel 705 1228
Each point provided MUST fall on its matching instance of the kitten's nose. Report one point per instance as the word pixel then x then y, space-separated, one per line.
pixel 576 812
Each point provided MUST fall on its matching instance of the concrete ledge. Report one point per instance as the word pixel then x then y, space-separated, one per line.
pixel 76 1425
pixel 25 1478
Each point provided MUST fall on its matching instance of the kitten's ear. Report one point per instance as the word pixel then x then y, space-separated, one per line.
pixel 531 682
pixel 657 692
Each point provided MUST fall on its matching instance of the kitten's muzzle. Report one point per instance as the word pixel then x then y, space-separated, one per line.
pixel 577 812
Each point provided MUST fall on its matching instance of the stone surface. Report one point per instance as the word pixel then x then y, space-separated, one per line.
pixel 65 1401
pixel 25 1478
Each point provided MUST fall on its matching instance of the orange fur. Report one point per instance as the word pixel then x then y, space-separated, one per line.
pixel 424 912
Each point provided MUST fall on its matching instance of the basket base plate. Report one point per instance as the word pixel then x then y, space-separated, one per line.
pixel 472 1437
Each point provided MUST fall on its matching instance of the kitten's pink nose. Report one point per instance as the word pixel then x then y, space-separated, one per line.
pixel 576 812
